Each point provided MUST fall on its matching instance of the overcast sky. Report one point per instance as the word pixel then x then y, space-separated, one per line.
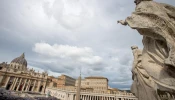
pixel 64 36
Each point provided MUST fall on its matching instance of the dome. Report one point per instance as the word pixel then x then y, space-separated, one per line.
pixel 20 60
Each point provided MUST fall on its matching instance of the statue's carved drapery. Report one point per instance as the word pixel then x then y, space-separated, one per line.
pixel 156 22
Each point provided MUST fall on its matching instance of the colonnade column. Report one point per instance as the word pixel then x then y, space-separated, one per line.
pixel 1 78
pixel 71 97
pixel 67 95
pixel 39 83
pixel 15 84
pixel 44 85
pixel 24 85
pixel 81 96
pixel 11 87
pixel 90 97
pixel 117 99
pixel 19 84
pixel 74 97
pixel 34 86
pixel 28 84
pixel 86 97
pixel 7 81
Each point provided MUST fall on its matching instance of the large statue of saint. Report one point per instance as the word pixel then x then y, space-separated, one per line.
pixel 155 72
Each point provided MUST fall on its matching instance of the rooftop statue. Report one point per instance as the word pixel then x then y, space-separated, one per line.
pixel 154 69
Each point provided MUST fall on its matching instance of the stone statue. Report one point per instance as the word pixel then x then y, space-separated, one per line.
pixel 142 82
pixel 156 22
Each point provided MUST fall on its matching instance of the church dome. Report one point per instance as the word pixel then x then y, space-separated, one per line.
pixel 20 60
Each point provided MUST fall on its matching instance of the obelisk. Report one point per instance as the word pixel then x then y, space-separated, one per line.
pixel 78 88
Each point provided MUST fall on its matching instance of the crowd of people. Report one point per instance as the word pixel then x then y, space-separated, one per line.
pixel 7 95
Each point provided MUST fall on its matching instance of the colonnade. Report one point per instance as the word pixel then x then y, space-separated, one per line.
pixel 24 84
pixel 105 97
pixel 71 95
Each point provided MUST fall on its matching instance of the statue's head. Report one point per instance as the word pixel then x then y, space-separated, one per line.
pixel 138 1
pixel 134 47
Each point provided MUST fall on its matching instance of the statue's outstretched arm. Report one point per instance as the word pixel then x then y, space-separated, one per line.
pixel 123 22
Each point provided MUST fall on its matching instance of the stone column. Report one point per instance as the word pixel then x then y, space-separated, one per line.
pixel 44 86
pixel 19 85
pixel 86 97
pixel 34 86
pixel 66 96
pixel 15 83
pixel 28 85
pixel 74 97
pixel 8 78
pixel 107 98
pixel 11 87
pixel 39 83
pixel 81 97
pixel 24 85
pixel 71 97
pixel 1 78
pixel 89 97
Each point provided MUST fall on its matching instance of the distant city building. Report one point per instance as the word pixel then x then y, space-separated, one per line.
pixel 16 76
pixel 97 84
pixel 62 81
pixel 52 82
pixel 65 80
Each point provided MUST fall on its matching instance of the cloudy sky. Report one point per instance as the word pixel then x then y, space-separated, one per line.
pixel 64 36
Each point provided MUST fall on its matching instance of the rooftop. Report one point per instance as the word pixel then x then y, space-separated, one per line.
pixel 96 77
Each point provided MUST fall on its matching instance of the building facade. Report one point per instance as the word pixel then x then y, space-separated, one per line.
pixel 16 76
pixel 65 80
pixel 97 84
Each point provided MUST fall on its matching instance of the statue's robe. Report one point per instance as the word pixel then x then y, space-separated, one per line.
pixel 156 22
pixel 141 80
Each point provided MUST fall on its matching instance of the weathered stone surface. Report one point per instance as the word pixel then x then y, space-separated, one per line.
pixel 154 69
